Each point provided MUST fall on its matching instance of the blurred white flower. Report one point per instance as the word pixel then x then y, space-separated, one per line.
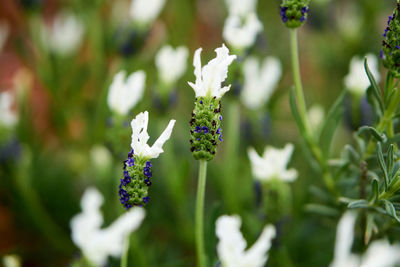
pixel 11 261
pixel 100 157
pixel 379 253
pixel 210 77
pixel 241 33
pixel 140 137
pixel 273 164
pixel 8 117
pixel 171 63
pixel 144 12
pixel 241 7
pixel 357 81
pixel 125 93
pixel 95 243
pixel 231 246
pixel 259 82
pixel 65 35
pixel 315 117
pixel 4 30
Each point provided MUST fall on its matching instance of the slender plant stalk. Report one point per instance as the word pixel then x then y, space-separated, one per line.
pixel 124 259
pixel 301 103
pixel 201 188
pixel 297 79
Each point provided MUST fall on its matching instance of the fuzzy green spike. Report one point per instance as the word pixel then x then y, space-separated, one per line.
pixel 294 12
pixel 390 53
pixel 133 190
pixel 206 132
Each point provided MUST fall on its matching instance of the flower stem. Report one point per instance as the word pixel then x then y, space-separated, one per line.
pixel 124 258
pixel 297 79
pixel 201 187
pixel 301 103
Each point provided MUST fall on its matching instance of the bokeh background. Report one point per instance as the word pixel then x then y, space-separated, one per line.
pixel 66 138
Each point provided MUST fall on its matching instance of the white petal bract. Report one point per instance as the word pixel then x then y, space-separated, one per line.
pixel 140 137
pixel 210 77
pixel 145 11
pixel 231 246
pixel 171 63
pixel 124 94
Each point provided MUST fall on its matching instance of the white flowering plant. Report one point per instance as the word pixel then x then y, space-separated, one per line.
pixel 200 133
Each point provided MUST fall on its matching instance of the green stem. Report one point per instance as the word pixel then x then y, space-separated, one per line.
pixel 297 79
pixel 201 188
pixel 301 103
pixel 124 259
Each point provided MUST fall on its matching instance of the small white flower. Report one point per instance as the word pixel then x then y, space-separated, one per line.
pixel 171 63
pixel 8 117
pixel 379 253
pixel 241 33
pixel 231 246
pixel 3 34
pixel 315 117
pixel 210 77
pixel 241 7
pixel 144 12
pixel 124 94
pixel 95 243
pixel 259 83
pixel 140 137
pixel 272 164
pixel 357 81
pixel 65 35
pixel 11 261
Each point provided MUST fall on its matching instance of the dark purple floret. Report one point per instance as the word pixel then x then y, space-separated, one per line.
pixel 283 14
pixel 131 162
pixel 398 47
pixel 220 117
pixel 381 54
pixel 201 102
pixel 220 138
pixel 130 154
pixel 302 19
pixel 304 10
pixel 124 164
pixel 148 164
pixel 198 139
pixel 219 131
pixel 198 129
pixel 389 20
pixel 205 129
pixel 146 200
pixel 126 174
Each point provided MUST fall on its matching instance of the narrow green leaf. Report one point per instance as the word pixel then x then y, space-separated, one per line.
pixel 352 153
pixel 383 166
pixel 374 133
pixel 376 90
pixel 357 204
pixel 391 210
pixel 389 163
pixel 331 123
pixel 370 226
pixel 321 210
pixel 375 190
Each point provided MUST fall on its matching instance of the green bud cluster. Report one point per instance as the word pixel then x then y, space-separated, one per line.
pixel 390 53
pixel 206 132
pixel 133 190
pixel 294 12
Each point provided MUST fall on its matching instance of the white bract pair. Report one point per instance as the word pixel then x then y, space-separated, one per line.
pixel 210 77
pixel 231 246
pixel 273 164
pixel 95 243
pixel 171 63
pixel 64 36
pixel 144 12
pixel 242 25
pixel 380 253
pixel 125 93
pixel 357 82
pixel 140 137
pixel 259 81
pixel 8 117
